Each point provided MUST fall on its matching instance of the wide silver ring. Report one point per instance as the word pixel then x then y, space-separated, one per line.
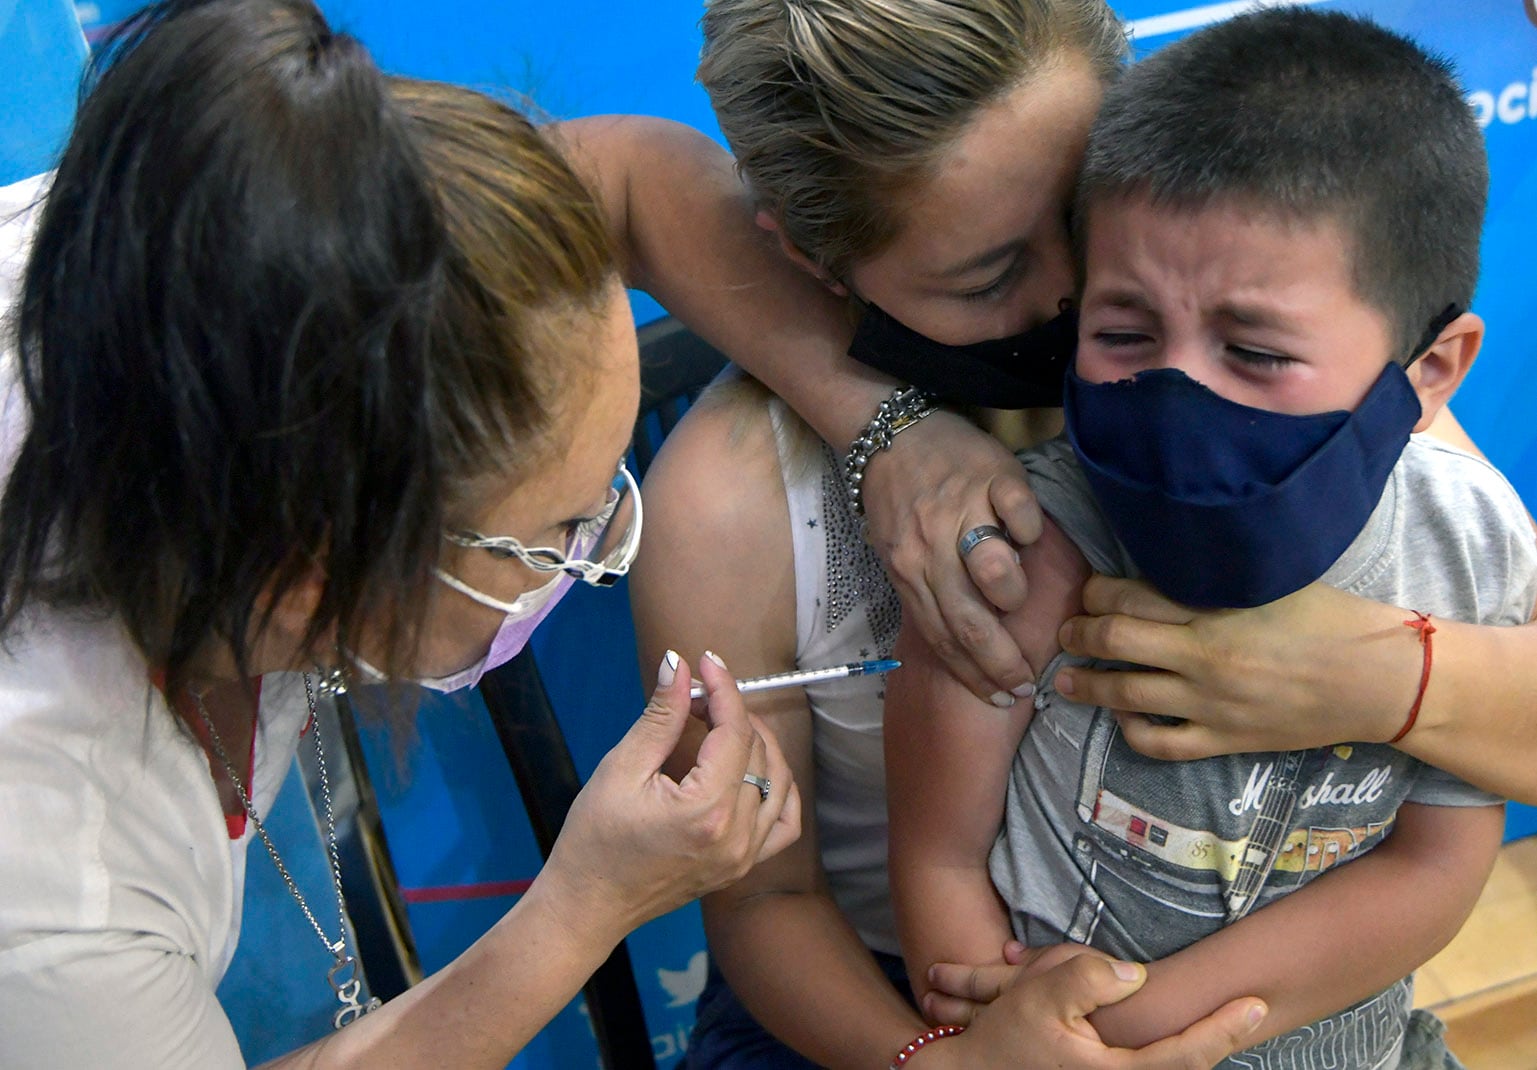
pixel 978 535
pixel 761 783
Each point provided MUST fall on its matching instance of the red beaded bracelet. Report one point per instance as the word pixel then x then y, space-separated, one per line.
pixel 921 1039
pixel 1420 623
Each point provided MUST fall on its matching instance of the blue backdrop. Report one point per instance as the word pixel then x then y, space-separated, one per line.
pixel 452 813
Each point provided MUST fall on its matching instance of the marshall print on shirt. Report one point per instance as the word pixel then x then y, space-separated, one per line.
pixel 1141 858
pixel 1200 844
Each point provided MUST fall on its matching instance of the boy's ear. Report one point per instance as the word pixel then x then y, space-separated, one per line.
pixel 766 221
pixel 1440 371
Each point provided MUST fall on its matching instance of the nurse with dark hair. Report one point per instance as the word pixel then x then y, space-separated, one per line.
pixel 314 379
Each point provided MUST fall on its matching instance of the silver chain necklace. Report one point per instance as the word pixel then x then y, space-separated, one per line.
pixel 343 974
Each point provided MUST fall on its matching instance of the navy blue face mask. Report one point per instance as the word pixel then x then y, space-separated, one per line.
pixel 1221 504
pixel 1023 371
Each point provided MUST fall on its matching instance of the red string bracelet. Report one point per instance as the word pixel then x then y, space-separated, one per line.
pixel 1420 623
pixel 938 1033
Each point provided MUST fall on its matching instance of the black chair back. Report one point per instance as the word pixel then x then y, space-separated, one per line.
pixel 675 366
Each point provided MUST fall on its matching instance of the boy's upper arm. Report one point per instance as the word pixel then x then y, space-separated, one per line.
pixel 1055 571
pixel 948 756
pixel 948 753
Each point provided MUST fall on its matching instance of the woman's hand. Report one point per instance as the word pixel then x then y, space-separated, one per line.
pixel 1040 1020
pixel 1312 669
pixel 939 479
pixel 637 843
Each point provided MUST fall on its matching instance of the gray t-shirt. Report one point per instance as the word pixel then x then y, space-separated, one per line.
pixel 1140 858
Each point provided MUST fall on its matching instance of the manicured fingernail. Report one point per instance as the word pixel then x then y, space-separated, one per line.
pixel 667 672
pixel 1064 683
pixel 713 656
pixel 1257 1014
pixel 1128 971
pixel 1024 690
pixel 1002 699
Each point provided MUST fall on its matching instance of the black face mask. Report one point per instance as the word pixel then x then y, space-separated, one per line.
pixel 1024 371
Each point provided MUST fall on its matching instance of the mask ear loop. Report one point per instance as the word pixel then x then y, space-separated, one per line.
pixel 486 600
pixel 1437 325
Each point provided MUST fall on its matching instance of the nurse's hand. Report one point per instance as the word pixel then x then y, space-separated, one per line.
pixel 637 843
pixel 1309 670
pixel 1040 1021
pixel 939 479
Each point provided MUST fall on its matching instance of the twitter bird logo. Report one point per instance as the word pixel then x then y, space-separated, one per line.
pixel 686 985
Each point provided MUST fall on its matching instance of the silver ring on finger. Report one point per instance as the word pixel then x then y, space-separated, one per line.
pixel 761 783
pixel 978 535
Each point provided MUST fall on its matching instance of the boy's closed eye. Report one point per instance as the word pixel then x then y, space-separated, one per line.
pixel 1122 339
pixel 1260 358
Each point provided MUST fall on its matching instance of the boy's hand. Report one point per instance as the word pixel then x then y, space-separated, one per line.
pixel 959 991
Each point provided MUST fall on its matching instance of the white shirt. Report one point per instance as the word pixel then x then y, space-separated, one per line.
pixel 845 610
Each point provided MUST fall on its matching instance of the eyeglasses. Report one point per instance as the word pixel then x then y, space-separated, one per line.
pixel 598 551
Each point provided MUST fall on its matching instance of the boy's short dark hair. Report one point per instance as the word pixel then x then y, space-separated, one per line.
pixel 1307 113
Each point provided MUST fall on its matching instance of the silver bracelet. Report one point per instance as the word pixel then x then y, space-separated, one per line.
pixel 905 407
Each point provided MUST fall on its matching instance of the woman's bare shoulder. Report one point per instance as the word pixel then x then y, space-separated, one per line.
pixel 716 567
pixel 717 482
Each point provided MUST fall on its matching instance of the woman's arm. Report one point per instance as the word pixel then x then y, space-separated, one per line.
pixel 1345 936
pixel 1447 428
pixel 1310 670
pixel 686 227
pixel 1041 1022
pixel 716 512
pixel 794 960
pixel 636 844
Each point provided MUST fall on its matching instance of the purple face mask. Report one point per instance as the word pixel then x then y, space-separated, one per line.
pixel 523 615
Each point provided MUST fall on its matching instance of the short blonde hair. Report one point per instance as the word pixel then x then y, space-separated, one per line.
pixel 834 108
